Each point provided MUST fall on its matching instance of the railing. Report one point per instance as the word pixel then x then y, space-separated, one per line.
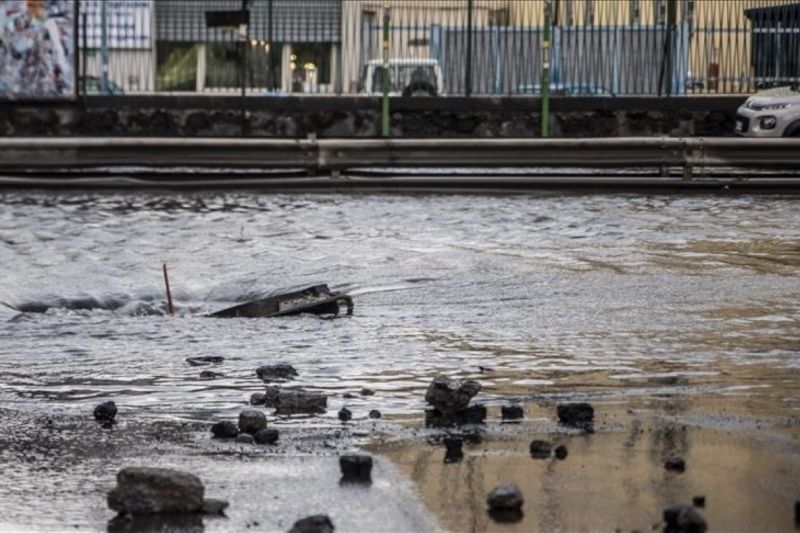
pixel 441 47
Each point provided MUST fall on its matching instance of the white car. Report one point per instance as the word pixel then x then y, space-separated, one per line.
pixel 770 113
pixel 407 77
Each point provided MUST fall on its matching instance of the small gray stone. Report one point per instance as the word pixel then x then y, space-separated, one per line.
pixel 214 507
pixel 145 490
pixel 245 438
pixel 449 395
pixel 258 398
pixel 505 498
pixel 298 401
pixel 224 430
pixel 277 372
pixel 374 413
pixel 252 421
pixel 266 436
pixel 313 524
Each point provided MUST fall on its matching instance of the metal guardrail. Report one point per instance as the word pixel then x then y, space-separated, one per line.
pixel 320 156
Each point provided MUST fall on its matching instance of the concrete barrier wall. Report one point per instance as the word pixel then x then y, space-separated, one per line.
pixel 359 117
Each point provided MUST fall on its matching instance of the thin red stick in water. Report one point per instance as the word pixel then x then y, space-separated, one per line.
pixel 170 309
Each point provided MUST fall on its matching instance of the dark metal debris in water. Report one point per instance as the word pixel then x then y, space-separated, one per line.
pixel 319 300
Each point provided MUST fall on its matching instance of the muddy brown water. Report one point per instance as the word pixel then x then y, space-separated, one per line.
pixel 632 302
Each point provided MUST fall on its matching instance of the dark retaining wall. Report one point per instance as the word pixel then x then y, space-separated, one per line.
pixel 327 117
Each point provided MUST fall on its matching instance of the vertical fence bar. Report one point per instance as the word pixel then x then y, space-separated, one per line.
pixel 104 48
pixel 468 66
pixel 385 84
pixel 85 45
pixel 546 70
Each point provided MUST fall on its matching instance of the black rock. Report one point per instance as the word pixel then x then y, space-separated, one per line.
pixel 203 361
pixel 258 398
pixel 146 490
pixel 699 501
pixel 454 450
pixel 208 374
pixel 266 436
pixel 356 468
pixel 245 438
pixel 474 414
pixel 374 413
pixel 797 512
pixel 506 516
pixel 540 449
pixel 684 519
pixel 105 412
pixel 505 498
pixel 298 401
pixel 278 372
pixel 348 395
pixel 367 392
pixel 675 464
pixel 313 524
pixel 214 506
pixel 512 412
pixel 580 415
pixel 345 414
pixel 224 430
pixel 561 452
pixel 271 396
pixel 252 420
pixel 449 395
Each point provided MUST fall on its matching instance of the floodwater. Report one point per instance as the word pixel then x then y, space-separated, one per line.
pixel 609 298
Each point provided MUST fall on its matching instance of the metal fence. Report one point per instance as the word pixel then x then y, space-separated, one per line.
pixel 439 47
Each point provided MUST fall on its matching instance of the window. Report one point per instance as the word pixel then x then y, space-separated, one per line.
pixel 223 65
pixel 570 13
pixel 499 17
pixel 661 12
pixel 176 66
pixel 310 66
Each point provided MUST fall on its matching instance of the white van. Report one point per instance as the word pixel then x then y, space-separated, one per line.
pixel 407 77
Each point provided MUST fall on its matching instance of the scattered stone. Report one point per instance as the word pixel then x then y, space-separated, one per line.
pixel 699 501
pixel 105 412
pixel 208 374
pixel 204 361
pixel 214 506
pixel 251 421
pixel 675 464
pixel 258 398
pixel 561 452
pixel 684 519
pixel 580 415
pixel 319 523
pixel 145 490
pixel 224 430
pixel 367 392
pixel 540 449
pixel 512 412
pixel 245 438
pixel 266 436
pixel 298 401
pixel 348 395
pixel 454 450
pixel 449 395
pixel 505 498
pixel 374 413
pixel 356 468
pixel 345 414
pixel 278 372
pixel 474 414
pixel 271 396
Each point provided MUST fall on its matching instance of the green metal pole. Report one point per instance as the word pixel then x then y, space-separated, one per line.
pixel 385 84
pixel 546 72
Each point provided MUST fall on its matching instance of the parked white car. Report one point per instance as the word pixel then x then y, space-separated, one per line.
pixel 407 77
pixel 770 113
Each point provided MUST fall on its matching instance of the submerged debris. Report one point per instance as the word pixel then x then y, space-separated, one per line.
pixel 205 360
pixel 319 300
pixel 374 413
pixel 224 430
pixel 474 414
pixel 208 375
pixel 299 401
pixel 277 372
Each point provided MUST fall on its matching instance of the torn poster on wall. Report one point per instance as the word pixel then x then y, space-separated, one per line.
pixel 37 49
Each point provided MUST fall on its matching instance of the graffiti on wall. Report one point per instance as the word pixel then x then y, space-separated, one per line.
pixel 37 49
